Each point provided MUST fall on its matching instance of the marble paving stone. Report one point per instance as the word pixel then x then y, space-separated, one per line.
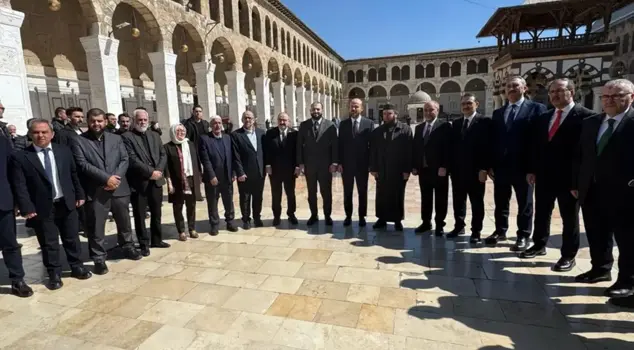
pixel 543 315
pixel 274 241
pixel 255 327
pixel 276 253
pixel 208 260
pixel 280 268
pixel 245 264
pixel 313 256
pixel 317 272
pixel 142 268
pixel 209 294
pixel 105 302
pixel 376 319
pixel 354 260
pixel 281 284
pixel 397 298
pixel 295 307
pixel 135 306
pixel 165 288
pixel 41 340
pixel 233 249
pixel 380 278
pixel 213 341
pixel 213 319
pixel 173 257
pixel 323 289
pixel 167 270
pixel 175 313
pixel 436 327
pixel 242 279
pixel 360 293
pixel 302 334
pixel 169 337
pixel 338 313
pixel 485 309
pixel 255 301
pixel 200 274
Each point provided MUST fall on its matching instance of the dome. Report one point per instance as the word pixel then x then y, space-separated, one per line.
pixel 419 97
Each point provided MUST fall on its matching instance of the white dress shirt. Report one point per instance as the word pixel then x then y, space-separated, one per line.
pixel 564 114
pixel 507 111
pixel 283 133
pixel 57 187
pixel 429 125
pixel 469 119
pixel 604 123
pixel 358 120
pixel 252 137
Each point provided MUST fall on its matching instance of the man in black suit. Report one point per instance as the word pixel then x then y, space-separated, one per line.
pixel 9 246
pixel 111 125
pixel 511 135
pixel 249 157
pixel 124 123
pixel 145 176
pixel 604 186
pixel 317 156
pixel 470 144
pixel 47 193
pixel 280 147
pixel 216 156
pixel 431 158
pixel 59 119
pixel 196 125
pixel 554 142
pixel 72 129
pixel 103 161
pixel 354 156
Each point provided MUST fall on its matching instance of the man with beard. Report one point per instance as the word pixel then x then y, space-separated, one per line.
pixel 145 175
pixel 196 125
pixel 217 159
pixel 317 156
pixel 112 122
pixel 74 119
pixel 390 165
pixel 124 123
pixel 103 161
pixel 280 149
pixel 59 119
pixel 249 157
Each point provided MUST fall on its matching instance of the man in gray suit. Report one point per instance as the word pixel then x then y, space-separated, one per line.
pixel 102 160
pixel 317 156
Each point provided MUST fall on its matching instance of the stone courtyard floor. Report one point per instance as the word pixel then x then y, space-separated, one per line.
pixel 318 288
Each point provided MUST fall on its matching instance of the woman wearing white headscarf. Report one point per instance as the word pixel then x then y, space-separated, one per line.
pixel 183 179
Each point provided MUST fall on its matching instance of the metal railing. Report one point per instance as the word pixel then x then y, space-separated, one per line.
pixel 558 42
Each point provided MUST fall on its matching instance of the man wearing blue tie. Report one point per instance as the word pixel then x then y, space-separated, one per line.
pixel 511 132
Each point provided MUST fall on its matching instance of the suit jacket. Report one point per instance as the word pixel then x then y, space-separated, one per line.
pixel 213 159
pixel 471 151
pixel 435 150
pixel 20 143
pixel 511 147
pixel 552 161
pixel 142 162
pixel 174 173
pixel 281 156
pixel 6 199
pixel 192 130
pixel 4 131
pixel 354 151
pixel 97 166
pixel 64 135
pixel 317 153
pixel 613 169
pixel 249 162
pixel 34 191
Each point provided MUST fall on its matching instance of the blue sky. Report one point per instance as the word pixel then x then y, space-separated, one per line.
pixel 368 28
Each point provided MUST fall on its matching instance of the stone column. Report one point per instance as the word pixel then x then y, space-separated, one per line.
pixel 328 107
pixel 263 100
pixel 317 98
pixel 290 103
pixel 166 91
pixel 206 86
pixel 309 101
pixel 596 101
pixel 14 90
pixel 237 98
pixel 103 72
pixel 278 95
pixel 300 94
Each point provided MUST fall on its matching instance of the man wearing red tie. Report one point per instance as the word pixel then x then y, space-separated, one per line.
pixel 555 138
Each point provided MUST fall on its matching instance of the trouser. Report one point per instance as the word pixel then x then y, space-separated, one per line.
pixel 213 193
pixel 288 182
pixel 250 193
pixel 324 178
pixel 464 186
pixel 11 252
pixel 431 183
pixel 189 200
pixel 361 178
pixel 96 211
pixel 545 196
pixel 151 197
pixel 60 222
pixel 503 185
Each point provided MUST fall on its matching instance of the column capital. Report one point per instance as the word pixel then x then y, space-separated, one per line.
pixel 204 67
pixel 11 17
pixel 99 43
pixel 162 58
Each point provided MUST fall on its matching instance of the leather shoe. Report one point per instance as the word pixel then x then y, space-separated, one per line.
pixel 422 228
pixel 80 273
pixel 347 222
pixel 329 221
pixel 439 233
pixel 455 233
pixel 564 264
pixel 520 245
pixel 379 224
pixel 293 220
pixel 398 226
pixel 131 254
pixel 246 225
pixel 231 227
pixel 475 238
pixel 258 223
pixel 594 276
pixel 313 220
pixel 54 282
pixel 101 268
pixel 619 290
pixel 533 252
pixel 145 250
pixel 277 221
pixel 160 244
pixel 627 303
pixel 21 289
pixel 495 238
pixel 361 222
pixel 213 232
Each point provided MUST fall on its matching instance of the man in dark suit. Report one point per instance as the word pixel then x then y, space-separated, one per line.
pixel 196 125
pixel 9 246
pixel 280 147
pixel 554 142
pixel 317 156
pixel 604 186
pixel 72 129
pixel 124 123
pixel 218 163
pixel 111 125
pixel 59 119
pixel 249 157
pixel 47 193
pixel 511 135
pixel 470 144
pixel 145 176
pixel 354 156
pixel 102 160
pixel 431 157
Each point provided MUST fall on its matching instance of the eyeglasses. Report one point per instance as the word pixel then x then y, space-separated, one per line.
pixel 615 96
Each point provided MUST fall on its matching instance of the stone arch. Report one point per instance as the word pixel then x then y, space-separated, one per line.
pixel 224 57
pixel 298 78
pixel 444 70
pixel 396 73
pixel 356 92
pixel 477 87
pixel 358 76
pixel 287 74
pixel 456 68
pixel 449 97
pixel 539 70
pixel 399 90
pixel 315 85
pixel 450 86
pixel 244 20
pixel 307 81
pixel 472 67
pixel 377 91
pixel 427 87
pixel 273 69
pixel 256 25
pixel 321 86
pixel 350 76
pixel 430 71
pixel 189 48
pixel 227 8
pixel 267 32
pixel 275 43
pixel 483 66
pixel 372 75
pixel 537 79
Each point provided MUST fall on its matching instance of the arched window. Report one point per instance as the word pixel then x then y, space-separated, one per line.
pixel 396 73
pixel 444 70
pixel 350 76
pixel 483 66
pixel 419 71
pixel 382 74
pixel 626 43
pixel 430 71
pixel 256 25
pixel 243 15
pixel 455 69
pixel 405 73
pixel 372 74
pixel 359 76
pixel 472 67
pixel 267 34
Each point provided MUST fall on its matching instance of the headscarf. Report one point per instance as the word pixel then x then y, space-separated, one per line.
pixel 186 163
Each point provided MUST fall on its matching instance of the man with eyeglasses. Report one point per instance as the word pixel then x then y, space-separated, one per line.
pixel 555 139
pixel 604 186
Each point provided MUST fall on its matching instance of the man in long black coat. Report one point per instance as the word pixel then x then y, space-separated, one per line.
pixel 391 165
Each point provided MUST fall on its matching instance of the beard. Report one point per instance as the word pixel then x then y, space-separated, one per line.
pixel 316 116
pixel 140 128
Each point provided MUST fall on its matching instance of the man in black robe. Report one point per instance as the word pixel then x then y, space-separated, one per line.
pixel 390 165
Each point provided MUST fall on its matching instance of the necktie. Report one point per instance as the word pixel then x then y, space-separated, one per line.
pixel 316 129
pixel 427 130
pixel 48 168
pixel 555 127
pixel 511 117
pixel 283 136
pixel 605 138
pixel 465 126
pixel 354 128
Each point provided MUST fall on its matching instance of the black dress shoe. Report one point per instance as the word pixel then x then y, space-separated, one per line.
pixel 21 289
pixel 361 222
pixel 520 245
pixel 626 303
pixel 475 238
pixel 594 276
pixel 439 233
pixel 101 268
pixel 246 225
pixel 422 228
pixel 455 233
pixel 313 220
pixel 347 222
pixel 258 223
pixel 533 252
pixel 231 227
pixel 160 244
pixel 277 221
pixel 145 250
pixel 619 290
pixel 213 232
pixel 329 221
pixel 495 238
pixel 398 226
pixel 379 224
pixel 564 264
pixel 80 273
pixel 293 220
pixel 54 282
pixel 131 254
